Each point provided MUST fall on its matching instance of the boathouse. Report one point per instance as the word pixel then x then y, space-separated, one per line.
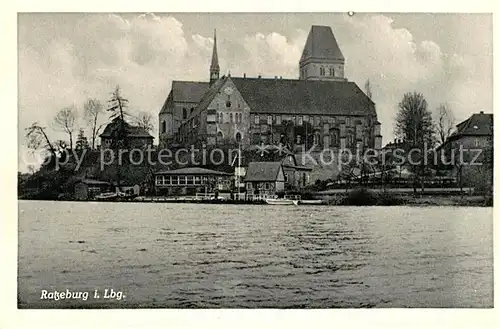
pixel 192 180
pixel 87 189
pixel 265 178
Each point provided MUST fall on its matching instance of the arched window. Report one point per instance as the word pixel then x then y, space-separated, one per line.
pixel 332 71
pixel 220 137
pixel 238 137
pixel 184 113
pixel 350 139
pixel 322 71
pixel 231 117
pixel 163 126
pixel 334 134
pixel 192 109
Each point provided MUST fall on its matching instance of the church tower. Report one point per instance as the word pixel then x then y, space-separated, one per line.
pixel 214 66
pixel 321 58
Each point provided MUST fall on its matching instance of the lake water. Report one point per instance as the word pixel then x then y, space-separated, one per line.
pixel 254 256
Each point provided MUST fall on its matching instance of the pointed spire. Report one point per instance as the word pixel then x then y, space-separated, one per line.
pixel 215 58
pixel 214 66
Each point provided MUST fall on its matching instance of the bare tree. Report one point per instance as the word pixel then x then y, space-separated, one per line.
pixel 445 121
pixel 65 120
pixel 36 135
pixel 414 125
pixel 92 111
pixel 145 120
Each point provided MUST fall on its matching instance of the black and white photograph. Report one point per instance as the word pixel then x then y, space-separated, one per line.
pixel 267 160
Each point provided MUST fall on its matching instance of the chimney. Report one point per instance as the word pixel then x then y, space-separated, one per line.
pixel 275 77
pixel 281 77
pixel 481 112
pixel 244 75
pixel 260 76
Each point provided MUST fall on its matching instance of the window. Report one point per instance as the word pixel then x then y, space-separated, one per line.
pixel 163 126
pixel 231 117
pixel 192 109
pixel 159 180
pixel 300 120
pixel 197 180
pixel 184 113
pixel 476 142
pixel 238 137
pixel 321 71
pixel 269 119
pixel 334 137
pixel 350 139
pixel 228 103
pixel 278 119
pixel 266 186
pixel 306 118
pixel 220 136
pixel 332 71
pixel 257 119
pixel 316 139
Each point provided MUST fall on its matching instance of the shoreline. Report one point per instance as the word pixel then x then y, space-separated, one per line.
pixel 406 201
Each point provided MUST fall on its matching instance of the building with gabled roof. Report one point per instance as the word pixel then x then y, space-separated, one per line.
pixel 474 132
pixel 264 178
pixel 137 136
pixel 468 152
pixel 320 108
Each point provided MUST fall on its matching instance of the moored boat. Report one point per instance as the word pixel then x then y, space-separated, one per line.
pixel 114 196
pixel 110 196
pixel 282 202
pixel 310 202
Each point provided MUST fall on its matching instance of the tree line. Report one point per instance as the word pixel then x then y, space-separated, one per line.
pixel 91 118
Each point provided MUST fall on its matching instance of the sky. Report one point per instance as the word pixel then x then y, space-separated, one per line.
pixel 65 58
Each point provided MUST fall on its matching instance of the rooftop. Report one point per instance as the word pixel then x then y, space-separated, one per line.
pixel 193 171
pixel 321 44
pixel 263 171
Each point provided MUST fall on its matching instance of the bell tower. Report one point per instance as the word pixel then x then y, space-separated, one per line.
pixel 321 58
pixel 214 65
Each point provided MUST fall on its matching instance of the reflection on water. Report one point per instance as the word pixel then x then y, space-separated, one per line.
pixel 209 256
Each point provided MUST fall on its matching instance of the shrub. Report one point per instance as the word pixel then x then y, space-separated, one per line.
pixel 389 199
pixel 360 197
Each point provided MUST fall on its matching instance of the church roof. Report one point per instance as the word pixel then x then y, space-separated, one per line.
pixel 185 92
pixel 321 44
pixel 314 97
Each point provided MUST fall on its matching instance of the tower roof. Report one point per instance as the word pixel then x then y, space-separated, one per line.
pixel 215 59
pixel 321 43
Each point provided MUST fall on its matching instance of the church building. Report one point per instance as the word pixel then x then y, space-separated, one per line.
pixel 320 109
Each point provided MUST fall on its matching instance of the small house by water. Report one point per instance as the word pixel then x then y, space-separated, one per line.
pixel 87 189
pixel 265 178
